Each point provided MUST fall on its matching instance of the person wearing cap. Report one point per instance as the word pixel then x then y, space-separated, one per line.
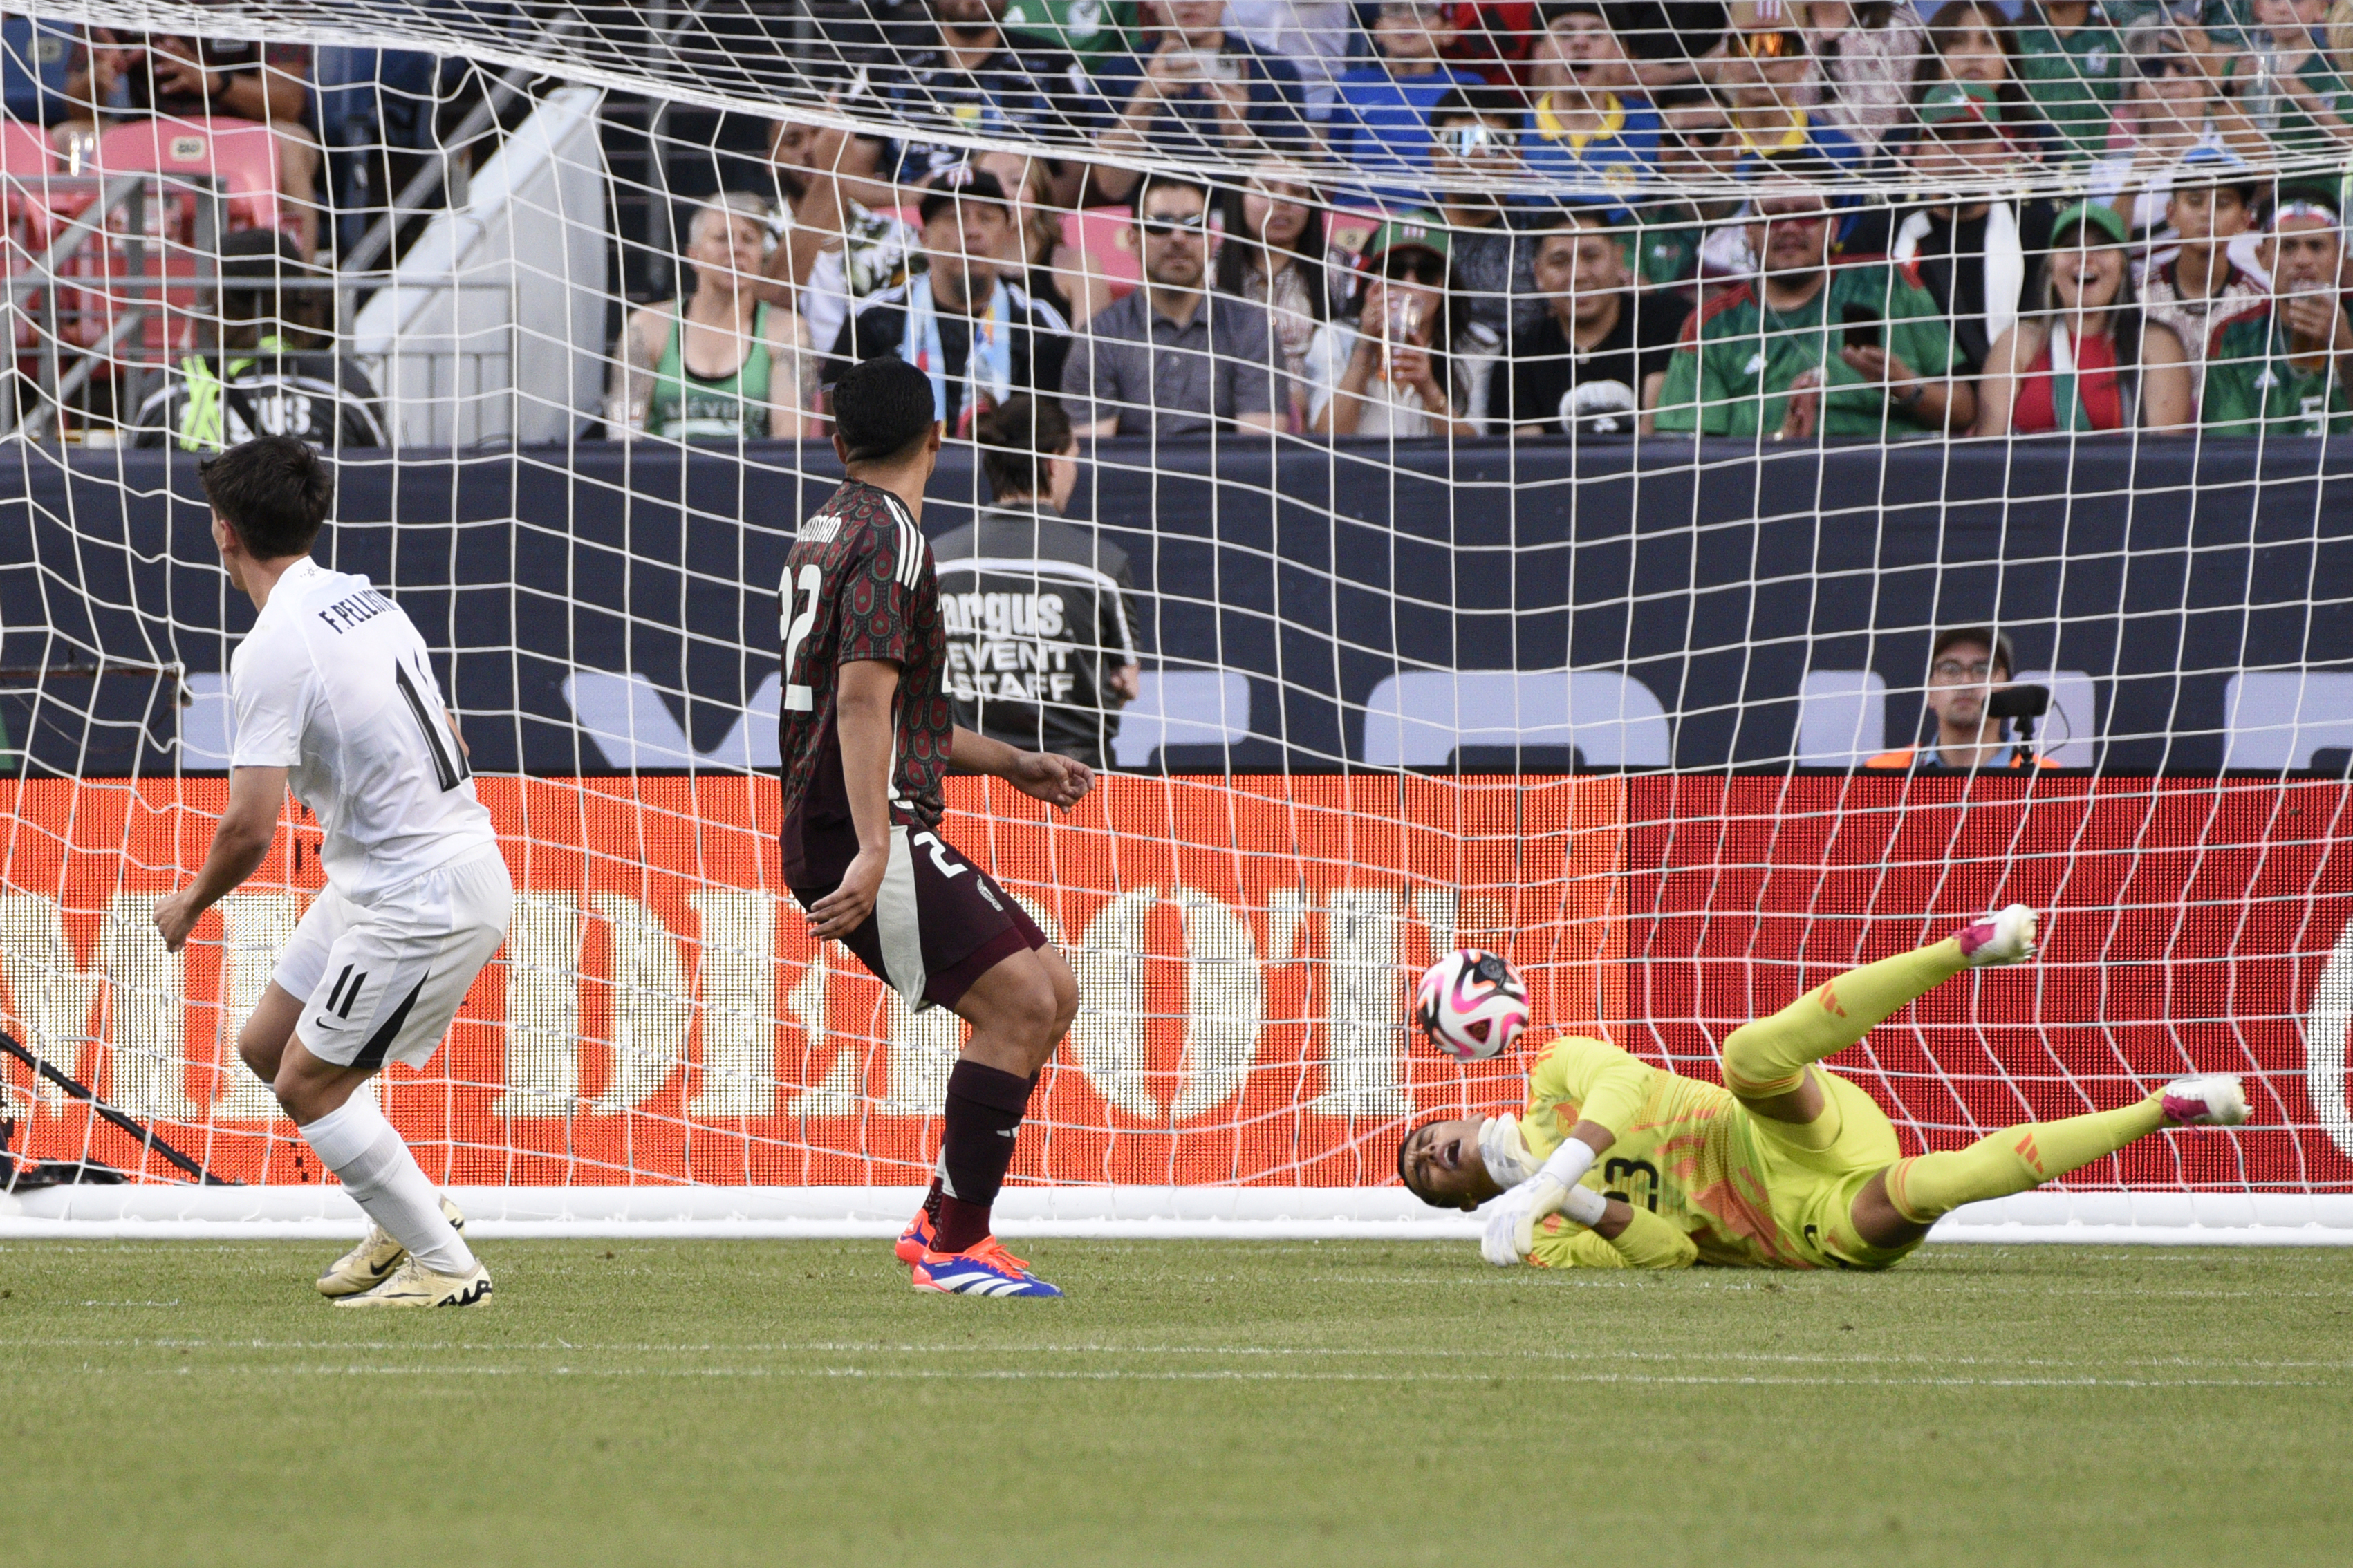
pixel 1404 361
pixel 257 382
pixel 1173 357
pixel 1966 665
pixel 1474 144
pixel 1588 126
pixel 1977 257
pixel 2082 359
pixel 723 364
pixel 980 338
pixel 2197 286
pixel 2281 368
pixel 1805 349
pixel 1584 368
pixel 2070 62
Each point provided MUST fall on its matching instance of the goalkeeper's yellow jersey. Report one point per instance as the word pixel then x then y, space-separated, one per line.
pixel 1685 1150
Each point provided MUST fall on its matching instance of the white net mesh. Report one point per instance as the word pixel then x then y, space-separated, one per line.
pixel 1530 502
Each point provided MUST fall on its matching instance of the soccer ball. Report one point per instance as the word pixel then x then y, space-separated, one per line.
pixel 1471 1005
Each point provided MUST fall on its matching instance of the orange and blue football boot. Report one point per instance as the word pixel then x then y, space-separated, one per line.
pixel 916 1239
pixel 983 1268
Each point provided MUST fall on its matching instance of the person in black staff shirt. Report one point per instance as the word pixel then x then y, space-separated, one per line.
pixel 1042 633
pixel 1584 368
pixel 257 382
pixel 977 79
pixel 979 338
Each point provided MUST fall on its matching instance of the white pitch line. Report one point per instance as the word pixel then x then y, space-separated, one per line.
pixel 1237 1375
pixel 853 1347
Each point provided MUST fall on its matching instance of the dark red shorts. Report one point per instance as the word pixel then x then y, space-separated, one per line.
pixel 939 922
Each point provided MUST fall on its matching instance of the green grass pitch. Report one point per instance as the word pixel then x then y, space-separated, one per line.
pixel 707 1402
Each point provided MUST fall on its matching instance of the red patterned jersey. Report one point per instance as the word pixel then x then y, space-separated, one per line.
pixel 859 584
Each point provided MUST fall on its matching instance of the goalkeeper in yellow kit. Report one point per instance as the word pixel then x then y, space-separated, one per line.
pixel 1618 1165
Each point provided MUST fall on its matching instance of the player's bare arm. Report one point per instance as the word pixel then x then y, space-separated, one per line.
pixel 1059 781
pixel 862 702
pixel 240 839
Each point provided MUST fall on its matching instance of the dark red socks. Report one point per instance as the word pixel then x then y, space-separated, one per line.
pixel 977 1137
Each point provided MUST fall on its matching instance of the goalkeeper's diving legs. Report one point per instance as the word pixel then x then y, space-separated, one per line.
pixel 1898 1205
pixel 1767 1063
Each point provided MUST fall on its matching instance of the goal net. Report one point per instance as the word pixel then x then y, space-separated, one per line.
pixel 1690 498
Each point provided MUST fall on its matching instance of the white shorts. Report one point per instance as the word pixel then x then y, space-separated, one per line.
pixel 383 981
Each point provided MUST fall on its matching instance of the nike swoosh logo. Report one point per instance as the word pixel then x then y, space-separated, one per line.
pixel 1008 1132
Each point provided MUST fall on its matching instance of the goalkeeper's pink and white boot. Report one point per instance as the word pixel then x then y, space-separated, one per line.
pixel 2216 1100
pixel 2005 936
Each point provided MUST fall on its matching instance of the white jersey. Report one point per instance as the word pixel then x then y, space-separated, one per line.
pixel 333 685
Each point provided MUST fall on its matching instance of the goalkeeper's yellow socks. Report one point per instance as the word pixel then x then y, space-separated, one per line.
pixel 1769 1056
pixel 2015 1160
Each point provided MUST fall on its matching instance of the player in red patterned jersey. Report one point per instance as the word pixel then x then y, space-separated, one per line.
pixel 866 734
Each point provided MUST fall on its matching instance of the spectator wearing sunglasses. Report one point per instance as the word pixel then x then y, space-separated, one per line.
pixel 1806 349
pixel 1404 361
pixel 1475 140
pixel 1171 358
pixel 1766 80
pixel 1587 125
pixel 2172 107
pixel 2072 64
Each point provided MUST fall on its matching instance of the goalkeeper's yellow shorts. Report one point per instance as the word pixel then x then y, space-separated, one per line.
pixel 1812 1191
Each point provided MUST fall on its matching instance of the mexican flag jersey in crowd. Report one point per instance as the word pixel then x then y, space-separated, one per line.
pixel 1731 373
pixel 1090 29
pixel 2076 77
pixel 2254 388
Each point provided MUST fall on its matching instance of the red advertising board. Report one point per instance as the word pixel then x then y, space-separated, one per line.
pixel 1245 948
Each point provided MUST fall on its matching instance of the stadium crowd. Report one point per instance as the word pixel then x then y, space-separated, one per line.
pixel 1577 218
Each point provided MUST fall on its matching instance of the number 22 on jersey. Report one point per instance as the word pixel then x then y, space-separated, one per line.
pixel 798 618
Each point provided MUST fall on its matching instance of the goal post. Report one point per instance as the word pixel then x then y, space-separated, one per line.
pixel 1606 689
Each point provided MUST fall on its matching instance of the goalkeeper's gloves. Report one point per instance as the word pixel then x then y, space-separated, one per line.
pixel 1512 1221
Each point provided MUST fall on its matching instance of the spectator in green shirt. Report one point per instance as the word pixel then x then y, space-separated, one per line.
pixel 2070 62
pixel 1090 29
pixel 1809 349
pixel 2281 368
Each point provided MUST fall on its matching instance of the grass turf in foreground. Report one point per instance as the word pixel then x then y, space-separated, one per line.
pixel 1285 1403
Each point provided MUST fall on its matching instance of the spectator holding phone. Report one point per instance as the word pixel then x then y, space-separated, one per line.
pixel 1196 89
pixel 1807 350
pixel 1977 258
pixel 2282 368
pixel 2082 359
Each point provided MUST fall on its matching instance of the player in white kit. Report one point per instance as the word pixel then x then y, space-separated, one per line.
pixel 334 694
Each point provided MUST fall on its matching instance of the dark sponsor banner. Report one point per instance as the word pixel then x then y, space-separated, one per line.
pixel 605 606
